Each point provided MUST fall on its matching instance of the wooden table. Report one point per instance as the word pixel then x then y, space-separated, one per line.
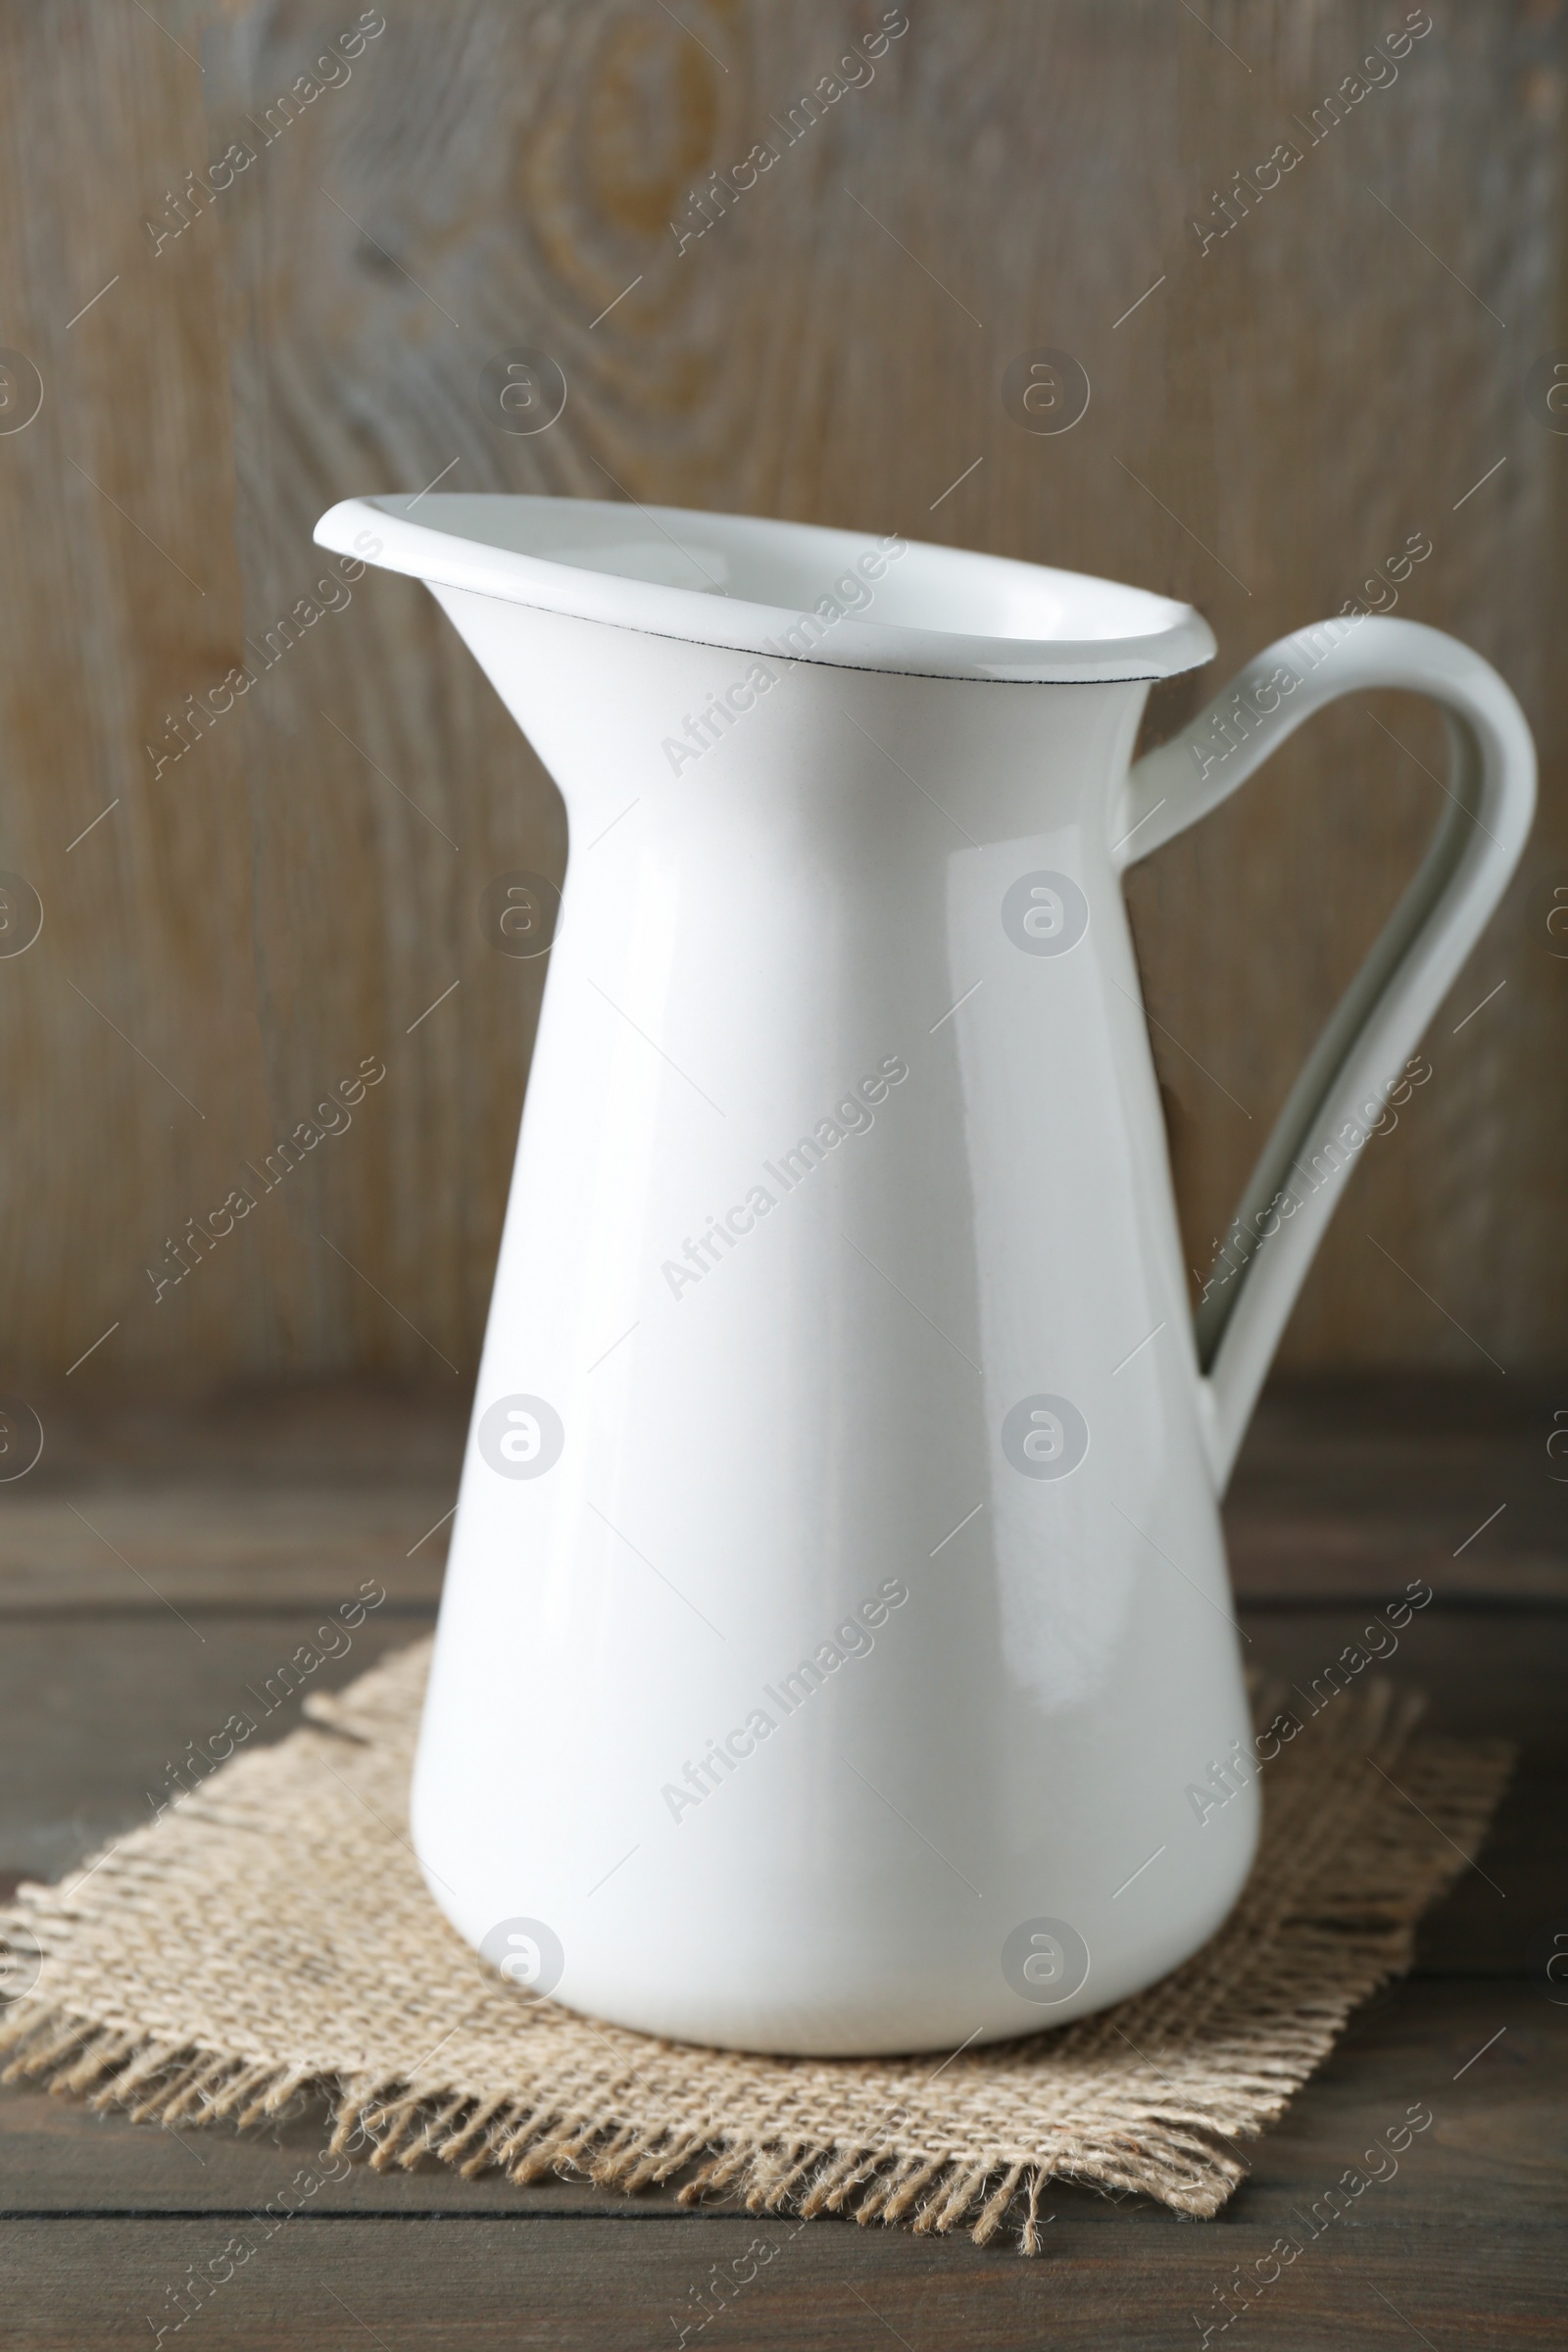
pixel 249 1517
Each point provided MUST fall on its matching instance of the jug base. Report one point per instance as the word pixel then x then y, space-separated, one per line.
pixel 824 2008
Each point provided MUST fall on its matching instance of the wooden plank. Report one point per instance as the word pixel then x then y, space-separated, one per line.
pixel 104 2219
pixel 97 1716
pixel 94 1717
pixel 1499 2138
pixel 265 1498
pixel 278 1504
pixel 286 899
pixel 1347 1490
pixel 723 378
pixel 129 1029
pixel 1476 1930
pixel 311 1432
pixel 1479 1674
pixel 210 1547
pixel 1468 2236
pixel 286 1496
pixel 592 2287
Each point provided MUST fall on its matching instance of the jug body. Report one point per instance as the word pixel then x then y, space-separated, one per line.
pixel 836 1652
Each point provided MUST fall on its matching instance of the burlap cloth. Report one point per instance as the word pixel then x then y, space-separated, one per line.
pixel 270 1938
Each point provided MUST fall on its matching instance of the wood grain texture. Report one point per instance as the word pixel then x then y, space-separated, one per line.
pixel 1465 2242
pixel 106 2221
pixel 598 2285
pixel 297 889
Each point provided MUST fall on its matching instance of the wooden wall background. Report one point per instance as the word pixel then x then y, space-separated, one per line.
pixel 242 928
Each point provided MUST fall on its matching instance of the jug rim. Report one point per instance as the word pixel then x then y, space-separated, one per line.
pixel 1036 625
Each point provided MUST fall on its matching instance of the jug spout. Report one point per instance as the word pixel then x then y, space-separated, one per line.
pixel 704 736
pixel 664 590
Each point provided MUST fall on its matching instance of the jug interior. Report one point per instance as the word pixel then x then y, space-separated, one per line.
pixel 791 567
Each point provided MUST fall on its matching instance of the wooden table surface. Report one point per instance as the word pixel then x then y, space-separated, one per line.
pixel 250 1516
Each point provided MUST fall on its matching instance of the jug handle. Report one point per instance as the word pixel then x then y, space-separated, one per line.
pixel 1358 1061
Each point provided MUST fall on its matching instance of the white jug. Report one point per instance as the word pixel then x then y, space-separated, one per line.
pixel 836 1652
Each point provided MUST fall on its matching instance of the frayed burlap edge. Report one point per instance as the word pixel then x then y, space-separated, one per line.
pixel 1149 2097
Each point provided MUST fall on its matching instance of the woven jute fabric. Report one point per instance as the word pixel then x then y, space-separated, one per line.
pixel 270 1939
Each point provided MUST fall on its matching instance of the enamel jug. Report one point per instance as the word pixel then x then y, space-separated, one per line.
pixel 836 1652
